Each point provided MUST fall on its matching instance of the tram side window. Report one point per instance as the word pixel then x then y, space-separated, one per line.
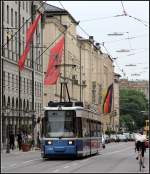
pixel 43 127
pixel 93 129
pixel 79 127
pixel 85 128
pixel 98 129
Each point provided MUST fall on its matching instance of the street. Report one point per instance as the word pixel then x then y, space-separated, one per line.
pixel 115 158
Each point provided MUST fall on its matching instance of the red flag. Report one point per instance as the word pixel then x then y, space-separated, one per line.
pixel 55 58
pixel 108 100
pixel 29 38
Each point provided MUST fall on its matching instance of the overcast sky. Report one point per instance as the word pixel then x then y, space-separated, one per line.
pixel 97 19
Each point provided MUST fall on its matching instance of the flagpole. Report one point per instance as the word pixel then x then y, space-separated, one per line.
pixel 80 71
pixel 33 119
pixel 64 92
pixel 19 52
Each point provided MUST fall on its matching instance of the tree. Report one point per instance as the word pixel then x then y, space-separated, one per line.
pixel 132 102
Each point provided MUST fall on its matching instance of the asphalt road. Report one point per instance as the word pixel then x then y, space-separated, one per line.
pixel 115 158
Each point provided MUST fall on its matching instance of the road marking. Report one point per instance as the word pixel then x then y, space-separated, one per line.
pixel 30 161
pixel 55 171
pixel 116 151
pixel 66 167
pixel 74 164
pixel 13 165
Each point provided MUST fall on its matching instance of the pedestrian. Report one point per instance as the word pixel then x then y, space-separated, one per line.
pixel 12 140
pixel 38 140
pixel 19 139
pixel 140 145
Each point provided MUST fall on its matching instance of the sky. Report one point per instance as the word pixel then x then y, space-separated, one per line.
pixel 98 19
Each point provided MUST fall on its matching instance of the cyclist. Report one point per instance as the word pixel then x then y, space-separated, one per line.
pixel 140 145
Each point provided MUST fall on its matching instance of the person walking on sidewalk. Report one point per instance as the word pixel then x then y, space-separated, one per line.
pixel 12 140
pixel 19 139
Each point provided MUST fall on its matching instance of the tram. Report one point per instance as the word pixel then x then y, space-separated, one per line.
pixel 68 129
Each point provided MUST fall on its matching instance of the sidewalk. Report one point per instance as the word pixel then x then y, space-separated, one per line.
pixel 17 151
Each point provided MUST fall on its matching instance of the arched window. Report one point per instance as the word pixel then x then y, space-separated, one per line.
pixel 8 102
pixel 24 105
pixel 16 103
pixel 4 101
pixel 13 103
pixel 20 104
pixel 27 105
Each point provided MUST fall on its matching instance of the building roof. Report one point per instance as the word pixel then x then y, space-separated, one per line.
pixel 53 10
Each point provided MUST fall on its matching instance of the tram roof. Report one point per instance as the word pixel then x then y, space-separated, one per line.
pixel 69 108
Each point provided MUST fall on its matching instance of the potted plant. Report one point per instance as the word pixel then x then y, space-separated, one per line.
pixel 27 143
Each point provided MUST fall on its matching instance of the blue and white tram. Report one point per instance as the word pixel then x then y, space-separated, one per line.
pixel 69 130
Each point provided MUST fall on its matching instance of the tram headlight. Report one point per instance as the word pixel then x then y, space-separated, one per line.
pixel 70 142
pixel 49 142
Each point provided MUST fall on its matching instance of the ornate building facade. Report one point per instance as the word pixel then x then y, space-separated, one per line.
pixel 87 71
pixel 21 92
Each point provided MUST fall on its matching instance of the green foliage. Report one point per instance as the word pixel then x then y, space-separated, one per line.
pixel 132 102
pixel 109 132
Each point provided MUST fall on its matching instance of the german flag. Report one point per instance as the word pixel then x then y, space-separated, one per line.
pixel 108 100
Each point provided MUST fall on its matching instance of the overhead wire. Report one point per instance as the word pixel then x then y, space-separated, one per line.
pixel 137 19
pixel 102 44
pixel 99 18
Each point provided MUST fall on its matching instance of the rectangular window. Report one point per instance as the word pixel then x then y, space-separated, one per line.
pixel 8 80
pixel 8 44
pixel 30 86
pixel 12 81
pixel 23 25
pixel 27 85
pixel 24 85
pixel 15 19
pixel 60 123
pixel 17 83
pixel 16 44
pixel 7 14
pixel 11 17
pixel 3 80
pixel 27 6
pixel 23 4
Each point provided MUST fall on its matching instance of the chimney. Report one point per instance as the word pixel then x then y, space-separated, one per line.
pixel 98 45
pixel 91 38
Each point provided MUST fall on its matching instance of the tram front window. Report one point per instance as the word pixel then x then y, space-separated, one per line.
pixel 60 123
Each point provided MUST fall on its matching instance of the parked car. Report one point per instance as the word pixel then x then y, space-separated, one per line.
pixel 122 138
pixel 132 137
pixel 113 138
pixel 127 135
pixel 107 139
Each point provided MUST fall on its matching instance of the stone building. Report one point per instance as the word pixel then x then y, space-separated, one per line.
pixel 55 24
pixel 139 85
pixel 21 92
pixel 88 71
